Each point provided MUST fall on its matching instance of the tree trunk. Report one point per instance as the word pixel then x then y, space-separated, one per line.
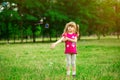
pixel 98 35
pixel 50 37
pixel 14 38
pixel 118 35
pixel 7 32
pixel 33 31
pixel 34 40
pixel 21 31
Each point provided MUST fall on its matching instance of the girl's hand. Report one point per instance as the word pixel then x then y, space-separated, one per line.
pixel 65 39
pixel 53 45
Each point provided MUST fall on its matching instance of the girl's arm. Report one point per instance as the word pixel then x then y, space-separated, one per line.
pixel 72 40
pixel 54 44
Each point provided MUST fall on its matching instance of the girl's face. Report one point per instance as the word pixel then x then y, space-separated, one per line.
pixel 71 29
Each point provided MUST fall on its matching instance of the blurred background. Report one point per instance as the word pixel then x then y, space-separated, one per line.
pixel 39 19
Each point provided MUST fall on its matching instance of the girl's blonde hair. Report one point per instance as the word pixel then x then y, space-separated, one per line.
pixel 73 24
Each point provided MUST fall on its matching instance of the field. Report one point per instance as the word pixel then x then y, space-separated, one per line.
pixel 96 60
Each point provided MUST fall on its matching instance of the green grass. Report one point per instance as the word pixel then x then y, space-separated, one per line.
pixel 96 60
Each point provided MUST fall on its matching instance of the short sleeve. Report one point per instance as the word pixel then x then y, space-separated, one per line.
pixel 64 35
pixel 76 35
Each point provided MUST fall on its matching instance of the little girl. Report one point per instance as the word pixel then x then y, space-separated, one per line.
pixel 69 36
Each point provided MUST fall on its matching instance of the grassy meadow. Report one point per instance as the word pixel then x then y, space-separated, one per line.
pixel 96 60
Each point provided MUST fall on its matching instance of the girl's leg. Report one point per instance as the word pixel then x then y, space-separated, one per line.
pixel 73 59
pixel 68 60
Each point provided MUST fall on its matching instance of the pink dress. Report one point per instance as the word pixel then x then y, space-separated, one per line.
pixel 70 47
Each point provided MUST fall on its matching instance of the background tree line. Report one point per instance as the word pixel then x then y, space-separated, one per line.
pixel 98 17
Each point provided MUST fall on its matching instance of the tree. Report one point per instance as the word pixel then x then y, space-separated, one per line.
pixel 117 17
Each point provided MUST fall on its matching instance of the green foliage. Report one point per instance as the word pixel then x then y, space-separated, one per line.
pixel 28 31
pixel 53 33
pixel 38 30
pixel 93 16
pixel 30 17
pixel 56 16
